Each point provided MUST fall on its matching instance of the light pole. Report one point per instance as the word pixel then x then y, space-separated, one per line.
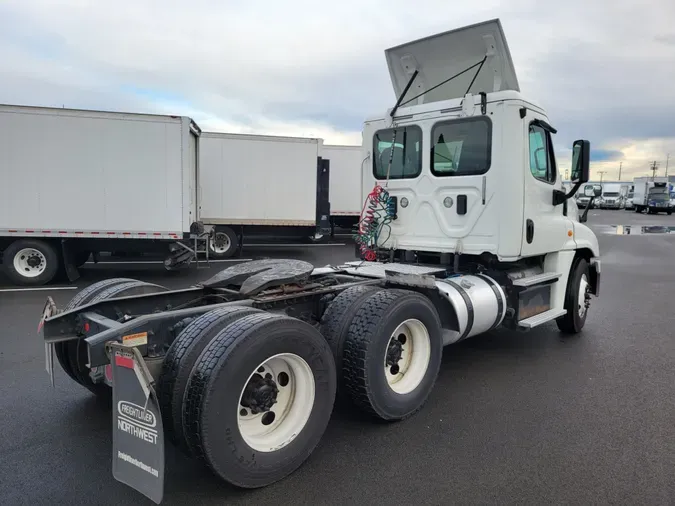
pixel 602 173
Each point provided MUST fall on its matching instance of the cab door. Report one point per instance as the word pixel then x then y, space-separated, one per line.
pixel 545 227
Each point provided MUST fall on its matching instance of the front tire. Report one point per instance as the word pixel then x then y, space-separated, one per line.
pixel 392 354
pixel 230 415
pixel 31 262
pixel 577 299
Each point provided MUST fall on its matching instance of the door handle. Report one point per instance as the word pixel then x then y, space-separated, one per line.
pixel 461 204
pixel 529 231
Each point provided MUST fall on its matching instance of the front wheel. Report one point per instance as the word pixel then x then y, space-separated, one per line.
pixel 577 299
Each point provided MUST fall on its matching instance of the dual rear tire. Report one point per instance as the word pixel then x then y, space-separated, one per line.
pixel 248 392
pixel 388 349
pixel 240 386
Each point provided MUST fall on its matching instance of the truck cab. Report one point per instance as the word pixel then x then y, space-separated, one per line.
pixel 467 163
pixel 658 199
pixel 612 196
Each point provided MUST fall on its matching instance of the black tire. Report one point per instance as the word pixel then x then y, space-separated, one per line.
pixel 214 390
pixel 669 213
pixel 180 360
pixel 127 289
pixel 336 320
pixel 573 322
pixel 72 355
pixel 226 235
pixel 62 349
pixel 84 296
pixel 49 255
pixel 366 348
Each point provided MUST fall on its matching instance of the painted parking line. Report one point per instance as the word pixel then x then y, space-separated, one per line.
pixel 128 262
pixel 253 245
pixel 38 289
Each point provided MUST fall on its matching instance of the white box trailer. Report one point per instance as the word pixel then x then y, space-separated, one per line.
pixel 641 194
pixel 261 185
pixel 346 165
pixel 76 182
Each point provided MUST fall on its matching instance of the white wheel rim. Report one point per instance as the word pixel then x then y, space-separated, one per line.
pixel 30 262
pixel 581 299
pixel 220 244
pixel 274 428
pixel 406 373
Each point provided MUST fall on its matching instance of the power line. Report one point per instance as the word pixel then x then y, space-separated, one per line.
pixel 602 173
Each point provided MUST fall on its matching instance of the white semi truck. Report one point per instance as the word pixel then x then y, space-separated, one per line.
pixel 613 196
pixel 466 228
pixel 77 183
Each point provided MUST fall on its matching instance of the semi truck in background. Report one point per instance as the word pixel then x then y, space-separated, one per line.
pixel 77 183
pixel 613 196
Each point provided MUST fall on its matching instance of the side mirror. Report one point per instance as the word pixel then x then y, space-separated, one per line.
pixel 593 191
pixel 581 155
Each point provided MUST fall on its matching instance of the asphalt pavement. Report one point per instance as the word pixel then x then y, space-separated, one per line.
pixel 515 418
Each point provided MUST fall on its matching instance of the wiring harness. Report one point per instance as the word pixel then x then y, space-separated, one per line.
pixel 377 213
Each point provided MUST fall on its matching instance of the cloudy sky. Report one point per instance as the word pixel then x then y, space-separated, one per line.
pixel 604 70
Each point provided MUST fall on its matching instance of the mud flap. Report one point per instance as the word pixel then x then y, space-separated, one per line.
pixel 138 435
pixel 71 270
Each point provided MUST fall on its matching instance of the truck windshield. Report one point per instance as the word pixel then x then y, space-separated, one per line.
pixel 658 194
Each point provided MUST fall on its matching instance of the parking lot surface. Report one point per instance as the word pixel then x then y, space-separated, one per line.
pixel 515 418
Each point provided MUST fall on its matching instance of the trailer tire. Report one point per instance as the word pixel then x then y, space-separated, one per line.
pixel 575 318
pixel 336 320
pixel 180 360
pixel 382 321
pixel 221 423
pixel 224 243
pixel 21 255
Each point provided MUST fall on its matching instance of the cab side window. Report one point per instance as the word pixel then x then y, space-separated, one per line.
pixel 542 160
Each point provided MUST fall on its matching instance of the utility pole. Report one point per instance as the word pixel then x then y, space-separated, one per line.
pixel 654 168
pixel 620 165
pixel 667 158
pixel 602 173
